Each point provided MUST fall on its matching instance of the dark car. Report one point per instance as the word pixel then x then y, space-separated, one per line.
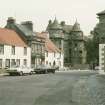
pixel 45 69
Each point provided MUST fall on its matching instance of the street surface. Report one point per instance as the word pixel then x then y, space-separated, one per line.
pixel 61 88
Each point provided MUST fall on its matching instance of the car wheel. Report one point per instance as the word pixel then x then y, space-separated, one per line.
pixel 53 71
pixel 21 73
pixel 31 73
pixel 46 72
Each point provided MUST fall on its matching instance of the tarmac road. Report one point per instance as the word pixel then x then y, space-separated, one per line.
pixel 61 88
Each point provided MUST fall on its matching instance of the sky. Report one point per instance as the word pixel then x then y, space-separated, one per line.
pixel 41 11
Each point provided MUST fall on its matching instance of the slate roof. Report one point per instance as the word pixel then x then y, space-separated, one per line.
pixel 10 37
pixel 19 28
pixel 55 25
pixel 101 13
pixel 24 29
pixel 67 28
pixel 76 27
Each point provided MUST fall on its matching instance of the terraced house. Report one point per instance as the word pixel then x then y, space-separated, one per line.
pixel 53 55
pixel 13 50
pixel 25 31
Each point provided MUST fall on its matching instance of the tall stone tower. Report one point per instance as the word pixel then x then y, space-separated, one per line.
pixel 77 48
pixel 56 33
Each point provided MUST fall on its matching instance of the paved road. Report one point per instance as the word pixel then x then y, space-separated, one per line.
pixel 61 88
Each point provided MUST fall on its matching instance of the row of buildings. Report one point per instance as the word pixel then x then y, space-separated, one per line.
pixel 21 46
pixel 60 44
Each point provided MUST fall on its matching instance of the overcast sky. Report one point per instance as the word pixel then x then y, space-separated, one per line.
pixel 40 11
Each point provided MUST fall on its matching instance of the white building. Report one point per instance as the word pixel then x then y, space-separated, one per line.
pixel 53 55
pixel 101 58
pixel 13 50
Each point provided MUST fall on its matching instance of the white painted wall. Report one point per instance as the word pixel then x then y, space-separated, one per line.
pixel 101 58
pixel 19 54
pixel 50 59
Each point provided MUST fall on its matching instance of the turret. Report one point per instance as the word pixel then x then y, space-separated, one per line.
pixel 76 27
pixel 55 25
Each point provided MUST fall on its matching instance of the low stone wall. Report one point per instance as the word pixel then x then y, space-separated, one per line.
pixel 80 66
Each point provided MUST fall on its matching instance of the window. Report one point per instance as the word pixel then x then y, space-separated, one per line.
pixel 42 49
pixel 75 44
pixel 25 62
pixel 60 54
pixel 32 48
pixel 7 63
pixel 1 49
pixel 35 47
pixel 70 51
pixel 38 48
pixel 46 62
pixel 0 63
pixel 47 53
pixel 80 52
pixel 59 63
pixel 80 60
pixel 25 50
pixel 54 54
pixel 13 50
pixel 13 63
pixel 17 62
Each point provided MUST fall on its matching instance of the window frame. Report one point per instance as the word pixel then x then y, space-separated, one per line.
pixel 13 50
pixel 25 50
pixel 2 46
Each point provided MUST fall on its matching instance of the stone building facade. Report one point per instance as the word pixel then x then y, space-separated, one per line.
pixel 53 55
pixel 99 35
pixel 70 39
pixel 25 31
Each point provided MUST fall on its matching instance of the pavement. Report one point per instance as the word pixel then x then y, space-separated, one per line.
pixel 4 74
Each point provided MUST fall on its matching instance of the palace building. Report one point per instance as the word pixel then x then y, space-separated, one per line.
pixel 70 40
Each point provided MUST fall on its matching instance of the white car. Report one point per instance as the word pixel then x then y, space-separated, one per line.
pixel 20 70
pixel 96 67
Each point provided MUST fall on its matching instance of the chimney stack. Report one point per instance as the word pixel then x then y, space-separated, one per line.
pixel 11 20
pixel 28 24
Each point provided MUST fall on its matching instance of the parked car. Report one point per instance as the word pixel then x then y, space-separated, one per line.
pixel 45 69
pixel 20 70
